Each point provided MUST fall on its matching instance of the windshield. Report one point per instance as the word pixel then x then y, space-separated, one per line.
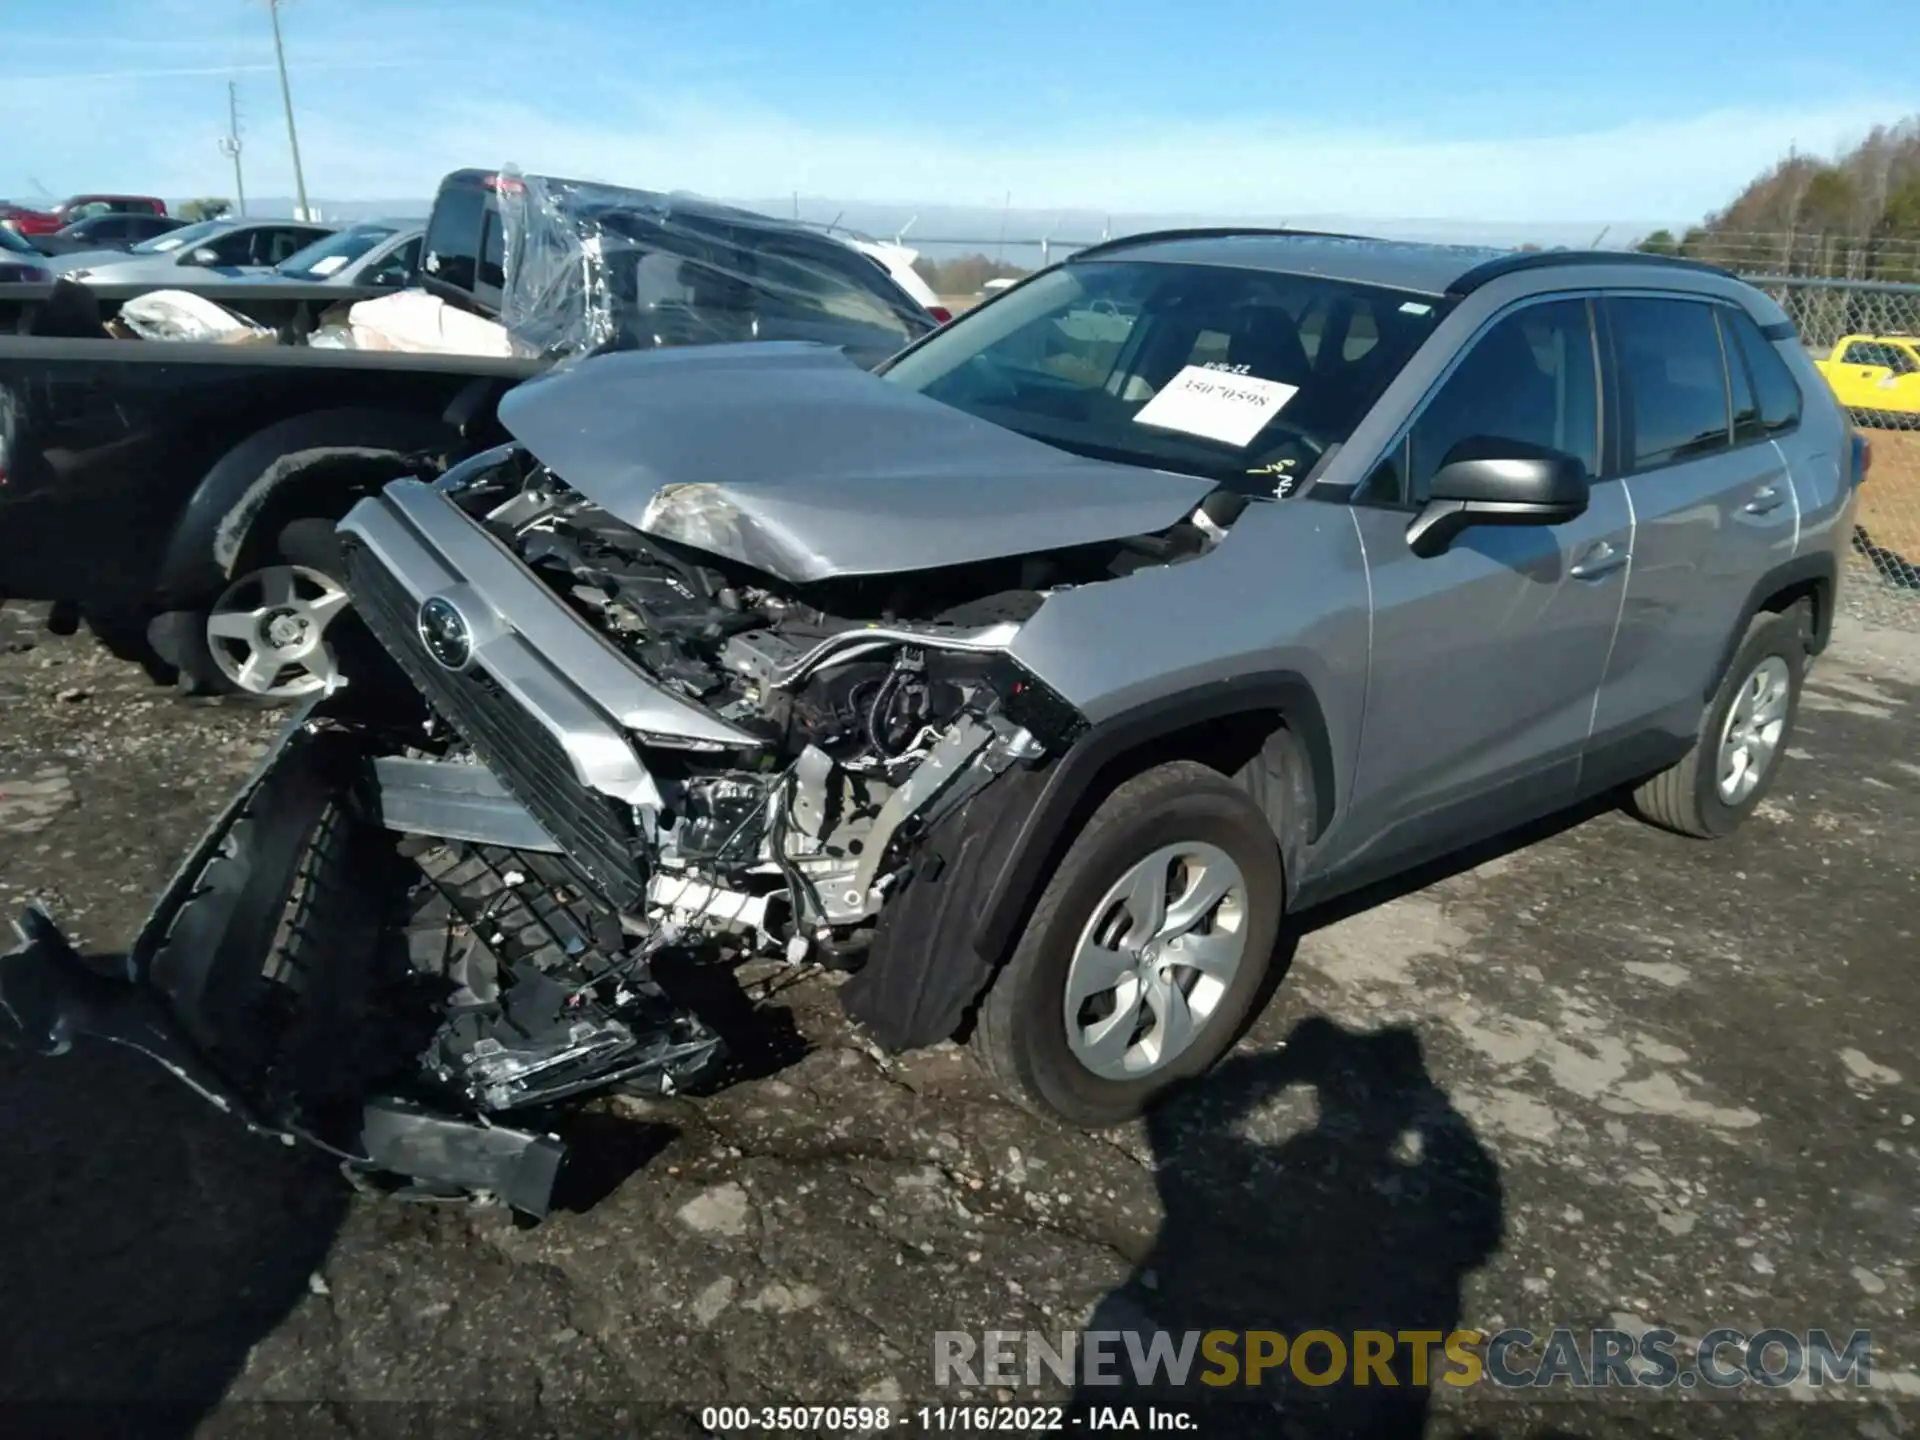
pixel 185 235
pixel 333 253
pixel 9 240
pixel 1242 376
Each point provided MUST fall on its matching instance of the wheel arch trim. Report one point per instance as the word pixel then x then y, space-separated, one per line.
pixel 1818 572
pixel 212 525
pixel 1075 779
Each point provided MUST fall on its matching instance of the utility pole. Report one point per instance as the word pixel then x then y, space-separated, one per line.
pixel 230 145
pixel 286 97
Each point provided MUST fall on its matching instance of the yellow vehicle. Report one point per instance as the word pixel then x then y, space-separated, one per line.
pixel 1877 377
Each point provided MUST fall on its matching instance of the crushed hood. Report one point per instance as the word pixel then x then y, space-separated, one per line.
pixel 792 459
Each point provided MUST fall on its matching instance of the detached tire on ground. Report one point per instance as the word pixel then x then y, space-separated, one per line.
pixel 1743 735
pixel 1144 954
pixel 269 636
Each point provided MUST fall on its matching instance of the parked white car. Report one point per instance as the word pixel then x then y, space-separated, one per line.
pixel 897 260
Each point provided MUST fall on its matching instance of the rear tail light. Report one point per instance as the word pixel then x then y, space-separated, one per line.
pixel 940 313
pixel 1862 459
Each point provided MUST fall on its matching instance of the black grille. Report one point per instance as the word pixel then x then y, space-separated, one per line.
pixel 596 830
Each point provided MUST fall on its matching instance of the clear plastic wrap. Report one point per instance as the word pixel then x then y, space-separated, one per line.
pixel 589 267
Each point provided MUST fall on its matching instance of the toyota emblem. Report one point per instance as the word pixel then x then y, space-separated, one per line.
pixel 443 630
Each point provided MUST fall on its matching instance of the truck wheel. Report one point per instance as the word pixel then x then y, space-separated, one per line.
pixel 1144 953
pixel 1743 735
pixel 268 635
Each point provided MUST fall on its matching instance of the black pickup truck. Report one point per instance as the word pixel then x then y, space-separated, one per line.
pixel 179 497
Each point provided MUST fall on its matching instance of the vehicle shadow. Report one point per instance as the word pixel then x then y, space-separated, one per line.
pixel 150 1243
pixel 1368 1219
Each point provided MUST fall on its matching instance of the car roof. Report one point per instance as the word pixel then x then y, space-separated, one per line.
pixel 596 197
pixel 1424 268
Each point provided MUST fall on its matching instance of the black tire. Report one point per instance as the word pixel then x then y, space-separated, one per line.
pixel 311 543
pixel 1685 798
pixel 1020 1034
pixel 270 959
pixel 123 635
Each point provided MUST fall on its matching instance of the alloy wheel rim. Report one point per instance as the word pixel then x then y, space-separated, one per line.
pixel 268 631
pixel 1755 723
pixel 1155 960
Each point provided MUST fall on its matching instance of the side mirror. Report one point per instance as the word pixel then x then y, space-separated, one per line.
pixel 1497 483
pixel 203 255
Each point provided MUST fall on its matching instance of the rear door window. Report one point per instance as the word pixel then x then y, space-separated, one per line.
pixel 236 248
pixel 271 246
pixel 1677 406
pixel 490 276
pixel 397 268
pixel 452 253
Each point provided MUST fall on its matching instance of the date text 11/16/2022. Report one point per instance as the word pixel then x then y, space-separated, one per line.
pixel 940 1419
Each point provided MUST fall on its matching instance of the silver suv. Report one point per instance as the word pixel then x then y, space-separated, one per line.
pixel 1039 676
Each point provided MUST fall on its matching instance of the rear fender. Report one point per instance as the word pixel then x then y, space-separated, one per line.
pixel 1813 574
pixel 215 524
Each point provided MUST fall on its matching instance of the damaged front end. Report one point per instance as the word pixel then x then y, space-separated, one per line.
pixel 619 723
pixel 418 1005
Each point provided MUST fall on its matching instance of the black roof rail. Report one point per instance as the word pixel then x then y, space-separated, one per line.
pixel 1206 232
pixel 1522 261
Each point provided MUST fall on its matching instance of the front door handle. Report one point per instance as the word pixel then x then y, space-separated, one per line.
pixel 1766 498
pixel 1602 559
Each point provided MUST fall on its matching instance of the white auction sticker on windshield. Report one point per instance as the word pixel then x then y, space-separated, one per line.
pixel 1216 404
pixel 327 264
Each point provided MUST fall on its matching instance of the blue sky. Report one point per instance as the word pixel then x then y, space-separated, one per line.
pixel 1493 110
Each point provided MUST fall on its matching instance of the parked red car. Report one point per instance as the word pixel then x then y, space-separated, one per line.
pixel 25 221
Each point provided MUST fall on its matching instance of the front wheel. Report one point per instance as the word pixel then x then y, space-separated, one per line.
pixel 1743 736
pixel 1144 954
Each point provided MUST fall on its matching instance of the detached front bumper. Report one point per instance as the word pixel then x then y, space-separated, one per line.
pixel 264 977
pixel 50 995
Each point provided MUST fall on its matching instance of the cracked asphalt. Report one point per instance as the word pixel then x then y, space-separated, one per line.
pixel 1608 1078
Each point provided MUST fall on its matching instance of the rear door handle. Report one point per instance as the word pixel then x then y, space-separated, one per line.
pixel 1601 560
pixel 1766 498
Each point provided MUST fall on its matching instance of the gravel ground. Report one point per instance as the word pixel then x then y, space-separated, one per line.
pixel 1651 1082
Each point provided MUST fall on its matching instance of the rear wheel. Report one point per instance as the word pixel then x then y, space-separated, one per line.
pixel 1145 952
pixel 1743 735
pixel 271 633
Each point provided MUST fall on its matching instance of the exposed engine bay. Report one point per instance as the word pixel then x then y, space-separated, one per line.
pixel 869 707
pixel 435 916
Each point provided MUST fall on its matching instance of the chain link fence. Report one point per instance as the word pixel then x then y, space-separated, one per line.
pixel 1865 336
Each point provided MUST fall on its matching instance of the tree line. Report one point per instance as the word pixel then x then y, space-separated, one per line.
pixel 966 275
pixel 1856 216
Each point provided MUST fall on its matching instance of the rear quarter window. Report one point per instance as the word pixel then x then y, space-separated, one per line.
pixel 1775 390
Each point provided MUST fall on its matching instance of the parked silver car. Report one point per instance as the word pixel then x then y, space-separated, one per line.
pixel 1040 676
pixel 369 253
pixel 194 252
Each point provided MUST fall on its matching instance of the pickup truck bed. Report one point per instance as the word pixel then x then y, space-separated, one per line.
pixel 157 452
pixel 286 305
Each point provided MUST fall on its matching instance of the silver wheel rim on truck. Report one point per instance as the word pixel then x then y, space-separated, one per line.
pixel 268 631
pixel 1155 960
pixel 1751 736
